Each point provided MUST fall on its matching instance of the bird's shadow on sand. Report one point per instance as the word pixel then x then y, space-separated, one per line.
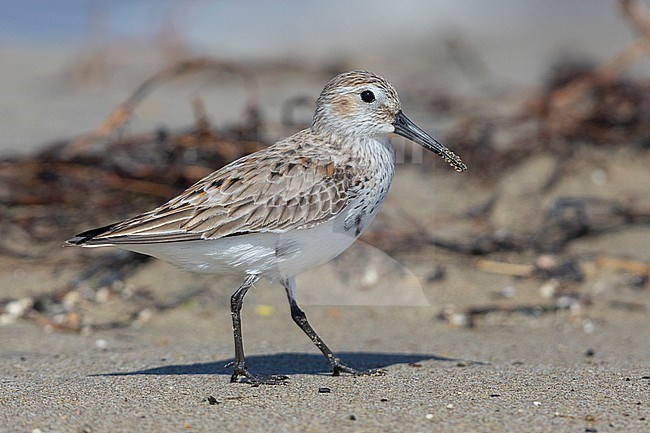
pixel 292 363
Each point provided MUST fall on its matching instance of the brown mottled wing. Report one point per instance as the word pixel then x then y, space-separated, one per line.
pixel 270 191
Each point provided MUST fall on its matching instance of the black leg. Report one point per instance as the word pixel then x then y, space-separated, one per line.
pixel 300 318
pixel 239 364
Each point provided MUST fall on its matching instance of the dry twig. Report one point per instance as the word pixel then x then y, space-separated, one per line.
pixel 124 111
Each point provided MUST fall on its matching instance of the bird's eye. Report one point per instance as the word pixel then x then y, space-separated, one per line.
pixel 367 96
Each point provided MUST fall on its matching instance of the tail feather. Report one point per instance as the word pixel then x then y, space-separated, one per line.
pixel 84 237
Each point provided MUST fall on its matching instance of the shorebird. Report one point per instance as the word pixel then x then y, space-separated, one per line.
pixel 285 209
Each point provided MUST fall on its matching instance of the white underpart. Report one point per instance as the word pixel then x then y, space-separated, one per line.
pixel 272 255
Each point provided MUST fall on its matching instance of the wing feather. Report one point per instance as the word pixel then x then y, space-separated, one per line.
pixel 275 190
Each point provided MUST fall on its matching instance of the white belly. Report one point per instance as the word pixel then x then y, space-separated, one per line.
pixel 271 255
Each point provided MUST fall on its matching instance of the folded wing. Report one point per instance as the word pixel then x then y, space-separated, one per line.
pixel 274 190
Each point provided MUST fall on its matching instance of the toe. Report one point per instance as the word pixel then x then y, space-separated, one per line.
pixel 342 368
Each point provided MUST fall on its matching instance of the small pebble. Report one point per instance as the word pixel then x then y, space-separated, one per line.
pixel 438 274
pixel 264 310
pixel 599 177
pixel 450 406
pixel 588 326
pixel 17 308
pixel 546 261
pixel 564 302
pixel 590 352
pixel 145 315
pixel 549 288
pixel 101 343
pixel 537 403
pixel 507 292
pixel 429 416
pixel 370 277
pixel 71 299
pixel 352 418
pixel 103 295
pixel 459 320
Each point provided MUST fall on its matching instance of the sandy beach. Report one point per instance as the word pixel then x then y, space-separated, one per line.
pixel 514 297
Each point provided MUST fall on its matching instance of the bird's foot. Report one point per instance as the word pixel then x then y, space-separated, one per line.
pixel 241 371
pixel 338 367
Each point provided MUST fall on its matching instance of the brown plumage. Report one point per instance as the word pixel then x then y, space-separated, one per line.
pixel 278 189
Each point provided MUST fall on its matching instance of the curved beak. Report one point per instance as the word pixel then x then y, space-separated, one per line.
pixel 406 128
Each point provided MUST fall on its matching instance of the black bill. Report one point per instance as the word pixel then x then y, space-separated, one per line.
pixel 408 129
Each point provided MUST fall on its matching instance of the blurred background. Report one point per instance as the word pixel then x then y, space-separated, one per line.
pixel 109 108
pixel 66 64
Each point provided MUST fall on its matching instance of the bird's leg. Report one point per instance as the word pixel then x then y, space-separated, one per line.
pixel 300 318
pixel 239 364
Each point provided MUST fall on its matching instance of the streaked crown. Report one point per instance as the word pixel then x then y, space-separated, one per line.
pixel 357 103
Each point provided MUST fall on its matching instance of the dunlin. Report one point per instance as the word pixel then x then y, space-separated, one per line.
pixel 285 209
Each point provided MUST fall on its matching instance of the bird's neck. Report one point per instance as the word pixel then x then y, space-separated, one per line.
pixel 374 150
